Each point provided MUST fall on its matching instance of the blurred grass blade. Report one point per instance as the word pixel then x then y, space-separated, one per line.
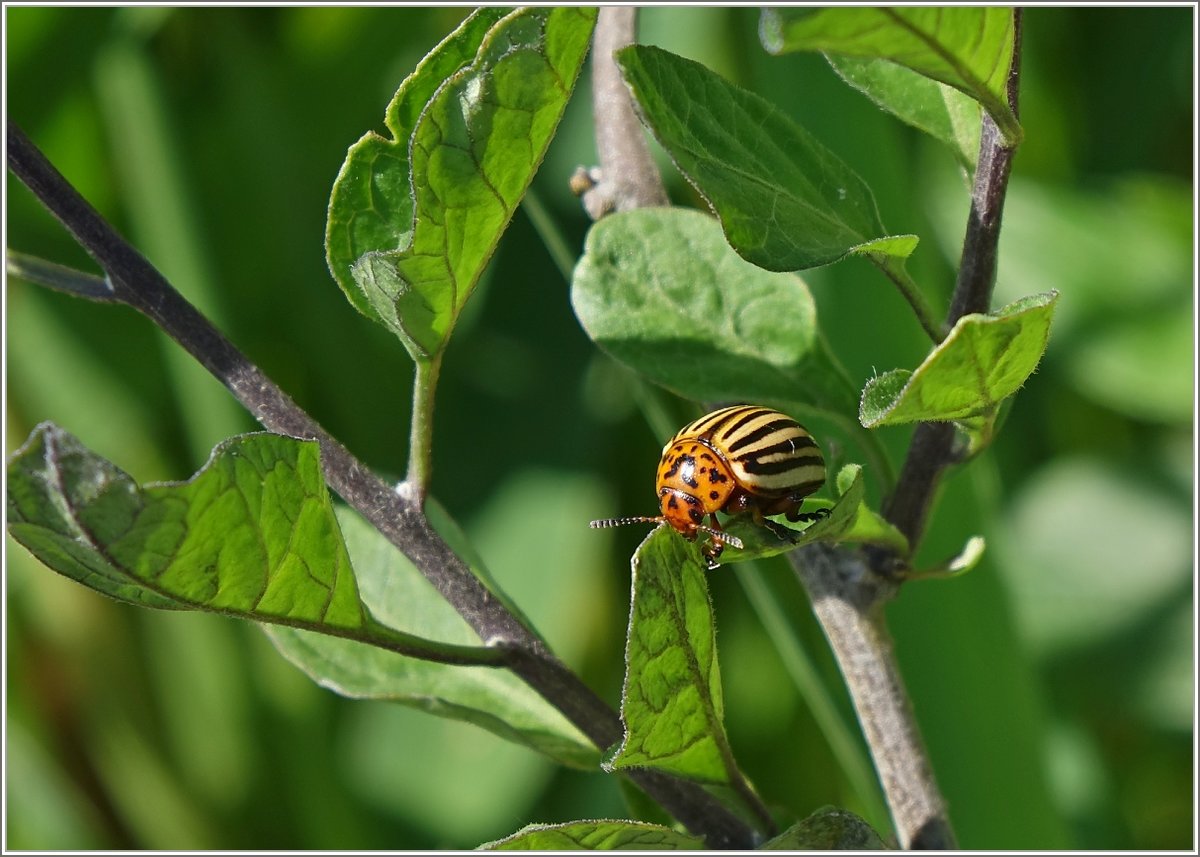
pixel 414 219
pixel 396 592
pixel 161 207
pixel 603 835
pixel 786 202
pixel 251 535
pixel 943 112
pixel 969 48
pixel 985 359
pixel 828 830
pixel 662 292
pixel 671 704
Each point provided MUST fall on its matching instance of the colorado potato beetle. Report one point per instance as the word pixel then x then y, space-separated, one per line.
pixel 739 459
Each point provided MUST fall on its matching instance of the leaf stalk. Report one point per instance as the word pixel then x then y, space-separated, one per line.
pixel 420 447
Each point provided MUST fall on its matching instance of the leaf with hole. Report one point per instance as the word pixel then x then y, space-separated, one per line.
pixel 413 220
pixel 785 201
pixel 969 48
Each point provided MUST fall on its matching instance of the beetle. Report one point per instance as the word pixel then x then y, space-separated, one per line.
pixel 739 459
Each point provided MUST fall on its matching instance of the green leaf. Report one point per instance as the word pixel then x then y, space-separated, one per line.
pixel 827 830
pixel 413 220
pixel 985 359
pixel 968 48
pixel 850 520
pixel 251 535
pixel 661 291
pixel 786 202
pixel 939 110
pixel 671 704
pixel 399 595
pixel 603 835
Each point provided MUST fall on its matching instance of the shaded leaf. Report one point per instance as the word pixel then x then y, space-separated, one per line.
pixel 786 202
pixel 671 705
pixel 939 110
pixel 985 359
pixel 827 830
pixel 602 835
pixel 661 291
pixel 400 596
pixel 968 48
pixel 413 220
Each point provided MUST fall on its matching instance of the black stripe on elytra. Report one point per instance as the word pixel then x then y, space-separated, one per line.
pixel 740 419
pixel 796 447
pixel 762 432
pixel 781 465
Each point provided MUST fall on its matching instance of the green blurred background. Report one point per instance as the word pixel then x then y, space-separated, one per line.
pixel 1054 683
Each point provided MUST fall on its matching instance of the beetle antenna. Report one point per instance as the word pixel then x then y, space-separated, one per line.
pixel 720 535
pixel 620 522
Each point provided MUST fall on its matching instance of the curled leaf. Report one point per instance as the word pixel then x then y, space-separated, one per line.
pixel 413 220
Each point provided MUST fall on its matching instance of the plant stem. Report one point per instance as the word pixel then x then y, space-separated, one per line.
pixel 847 598
pixel 898 274
pixel 933 449
pixel 628 177
pixel 848 595
pixel 396 513
pixel 551 233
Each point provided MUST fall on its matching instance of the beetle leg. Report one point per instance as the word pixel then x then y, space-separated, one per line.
pixel 780 531
pixel 796 516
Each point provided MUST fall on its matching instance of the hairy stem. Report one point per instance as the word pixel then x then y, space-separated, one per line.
pixel 628 177
pixel 847 598
pixel 396 513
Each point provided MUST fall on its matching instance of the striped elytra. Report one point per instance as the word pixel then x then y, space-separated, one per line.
pixel 740 459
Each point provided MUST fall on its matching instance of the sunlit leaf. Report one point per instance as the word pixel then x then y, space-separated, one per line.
pixel 968 48
pixel 671 705
pixel 985 359
pixel 253 535
pixel 414 219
